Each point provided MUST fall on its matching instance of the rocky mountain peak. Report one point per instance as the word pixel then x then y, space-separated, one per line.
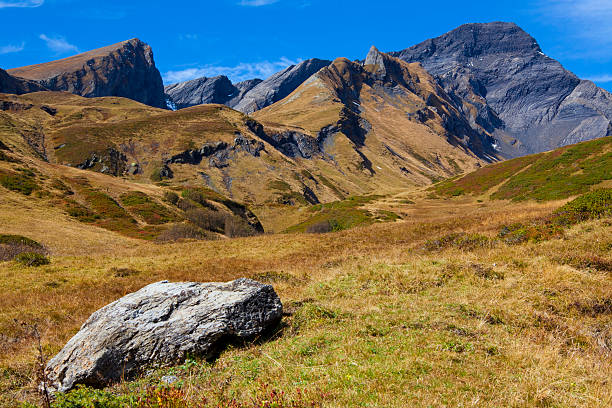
pixel 124 69
pixel 375 60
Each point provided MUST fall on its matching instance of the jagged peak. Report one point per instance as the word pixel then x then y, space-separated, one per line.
pixel 376 59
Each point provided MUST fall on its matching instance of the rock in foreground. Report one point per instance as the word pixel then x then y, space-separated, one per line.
pixel 161 324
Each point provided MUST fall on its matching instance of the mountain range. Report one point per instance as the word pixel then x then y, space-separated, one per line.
pixel 314 132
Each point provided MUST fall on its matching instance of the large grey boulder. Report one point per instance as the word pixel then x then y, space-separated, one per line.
pixel 526 99
pixel 162 324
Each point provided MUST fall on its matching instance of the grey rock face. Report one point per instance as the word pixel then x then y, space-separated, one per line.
pixel 279 85
pixel 386 75
pixel 14 85
pixel 125 69
pixel 246 96
pixel 526 99
pixel 161 324
pixel 208 90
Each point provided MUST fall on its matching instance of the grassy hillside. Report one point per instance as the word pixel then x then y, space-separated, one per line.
pixel 375 316
pixel 554 175
pixel 142 211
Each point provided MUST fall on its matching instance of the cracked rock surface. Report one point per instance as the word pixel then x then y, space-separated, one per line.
pixel 162 324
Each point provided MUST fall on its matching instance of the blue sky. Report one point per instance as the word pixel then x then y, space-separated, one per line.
pixel 255 38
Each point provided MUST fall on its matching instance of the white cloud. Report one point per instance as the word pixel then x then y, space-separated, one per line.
pixel 58 44
pixel 188 37
pixel 236 73
pixel 256 3
pixel 585 19
pixel 21 4
pixel 600 78
pixel 8 49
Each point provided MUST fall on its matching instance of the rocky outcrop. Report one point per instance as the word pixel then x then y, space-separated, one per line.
pixel 279 85
pixel 161 324
pixel 525 98
pixel 110 161
pixel 291 143
pixel 208 90
pixel 126 69
pixel 14 85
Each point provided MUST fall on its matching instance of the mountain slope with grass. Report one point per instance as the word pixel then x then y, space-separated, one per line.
pixel 389 116
pixel 553 175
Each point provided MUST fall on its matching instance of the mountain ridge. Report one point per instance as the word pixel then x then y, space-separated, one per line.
pixel 123 69
pixel 525 98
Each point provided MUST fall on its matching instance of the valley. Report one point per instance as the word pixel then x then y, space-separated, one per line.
pixel 436 221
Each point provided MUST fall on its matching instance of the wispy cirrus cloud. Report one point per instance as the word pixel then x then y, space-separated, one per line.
pixel 58 44
pixel 257 3
pixel 21 4
pixel 585 20
pixel 240 72
pixel 600 78
pixel 9 49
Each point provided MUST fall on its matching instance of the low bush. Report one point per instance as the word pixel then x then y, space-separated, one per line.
pixel 11 246
pixel 594 204
pixel 23 183
pixel 171 197
pixel 590 262
pixel 536 231
pixel 207 219
pixel 237 227
pixel 178 232
pixel 199 196
pixel 320 228
pixel 460 240
pixel 33 259
pixel 8 239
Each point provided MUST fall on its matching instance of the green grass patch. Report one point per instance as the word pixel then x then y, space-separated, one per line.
pixel 342 215
pixel 555 175
pixel 279 185
pixel 23 182
pixel 143 206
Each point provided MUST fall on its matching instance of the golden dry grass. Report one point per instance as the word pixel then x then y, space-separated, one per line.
pixel 376 320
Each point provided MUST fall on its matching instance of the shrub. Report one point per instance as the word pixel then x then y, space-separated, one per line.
pixel 171 197
pixel 8 239
pixel 33 259
pixel 536 231
pixel 594 204
pixel 12 246
pixel 22 183
pixel 198 196
pixel 320 228
pixel 123 272
pixel 206 219
pixel 177 232
pixel 237 227
pixel 460 240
